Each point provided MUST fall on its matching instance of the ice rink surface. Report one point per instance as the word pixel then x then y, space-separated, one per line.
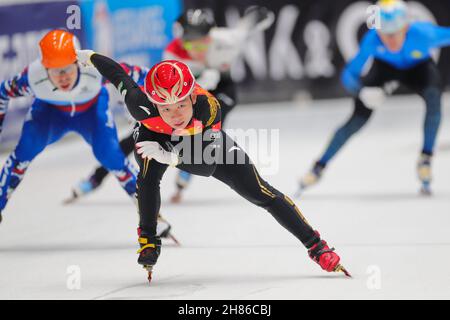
pixel 395 242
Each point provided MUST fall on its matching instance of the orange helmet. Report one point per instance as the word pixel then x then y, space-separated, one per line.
pixel 58 49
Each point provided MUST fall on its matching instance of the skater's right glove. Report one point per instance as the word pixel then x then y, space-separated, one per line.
pixel 372 97
pixel 153 150
pixel 84 57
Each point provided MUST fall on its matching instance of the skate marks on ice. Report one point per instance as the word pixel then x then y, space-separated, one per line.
pixel 208 274
pixel 185 286
pixel 160 288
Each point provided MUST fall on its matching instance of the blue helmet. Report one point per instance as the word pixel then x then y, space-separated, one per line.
pixel 393 15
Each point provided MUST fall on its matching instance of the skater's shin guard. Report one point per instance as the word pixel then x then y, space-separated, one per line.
pixel 284 210
pixel 12 174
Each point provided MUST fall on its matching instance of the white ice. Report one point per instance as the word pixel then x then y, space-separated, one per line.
pixel 395 242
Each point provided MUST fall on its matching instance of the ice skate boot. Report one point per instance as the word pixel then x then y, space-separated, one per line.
pixel 424 173
pixel 149 252
pixel 311 178
pixel 82 189
pixel 326 257
pixel 182 182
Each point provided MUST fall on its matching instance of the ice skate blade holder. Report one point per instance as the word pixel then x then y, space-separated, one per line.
pixel 340 268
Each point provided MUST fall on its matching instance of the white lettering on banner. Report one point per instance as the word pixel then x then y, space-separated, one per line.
pixel 17 51
pixel 318 59
pixel 284 59
pixel 350 21
pixel 254 54
pixel 238 72
pixel 142 28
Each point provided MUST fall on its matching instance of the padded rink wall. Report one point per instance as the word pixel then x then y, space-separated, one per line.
pixel 135 32
pixel 302 54
pixel 306 48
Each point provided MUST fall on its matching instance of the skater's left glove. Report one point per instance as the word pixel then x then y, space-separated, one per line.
pixel 153 150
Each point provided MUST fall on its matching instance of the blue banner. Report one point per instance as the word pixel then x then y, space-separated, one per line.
pixel 131 31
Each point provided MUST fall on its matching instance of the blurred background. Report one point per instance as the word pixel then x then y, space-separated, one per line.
pixel 299 57
pixel 288 80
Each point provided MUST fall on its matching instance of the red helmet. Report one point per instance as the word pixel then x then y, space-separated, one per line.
pixel 169 82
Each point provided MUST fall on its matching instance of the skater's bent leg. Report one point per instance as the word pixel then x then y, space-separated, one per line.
pixel 148 193
pixel 183 179
pixel 433 116
pixel 245 180
pixel 148 183
pixel 37 133
pixel 108 153
pixel 425 79
pixel 99 175
pixel 359 118
pixel 12 174
pixel 102 136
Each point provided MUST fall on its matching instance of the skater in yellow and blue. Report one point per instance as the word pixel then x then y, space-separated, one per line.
pixel 401 51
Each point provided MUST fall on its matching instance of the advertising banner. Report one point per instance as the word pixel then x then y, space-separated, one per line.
pixel 307 46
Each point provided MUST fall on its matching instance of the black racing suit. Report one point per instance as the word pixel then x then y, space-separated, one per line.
pixel 227 162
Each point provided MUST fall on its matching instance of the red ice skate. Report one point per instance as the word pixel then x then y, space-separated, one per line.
pixel 326 257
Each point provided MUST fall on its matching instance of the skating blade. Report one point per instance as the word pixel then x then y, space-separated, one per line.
pixel 340 268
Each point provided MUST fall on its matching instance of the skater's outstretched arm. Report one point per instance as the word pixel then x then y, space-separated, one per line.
pixel 351 76
pixel 137 73
pixel 137 102
pixel 17 86
pixel 438 36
